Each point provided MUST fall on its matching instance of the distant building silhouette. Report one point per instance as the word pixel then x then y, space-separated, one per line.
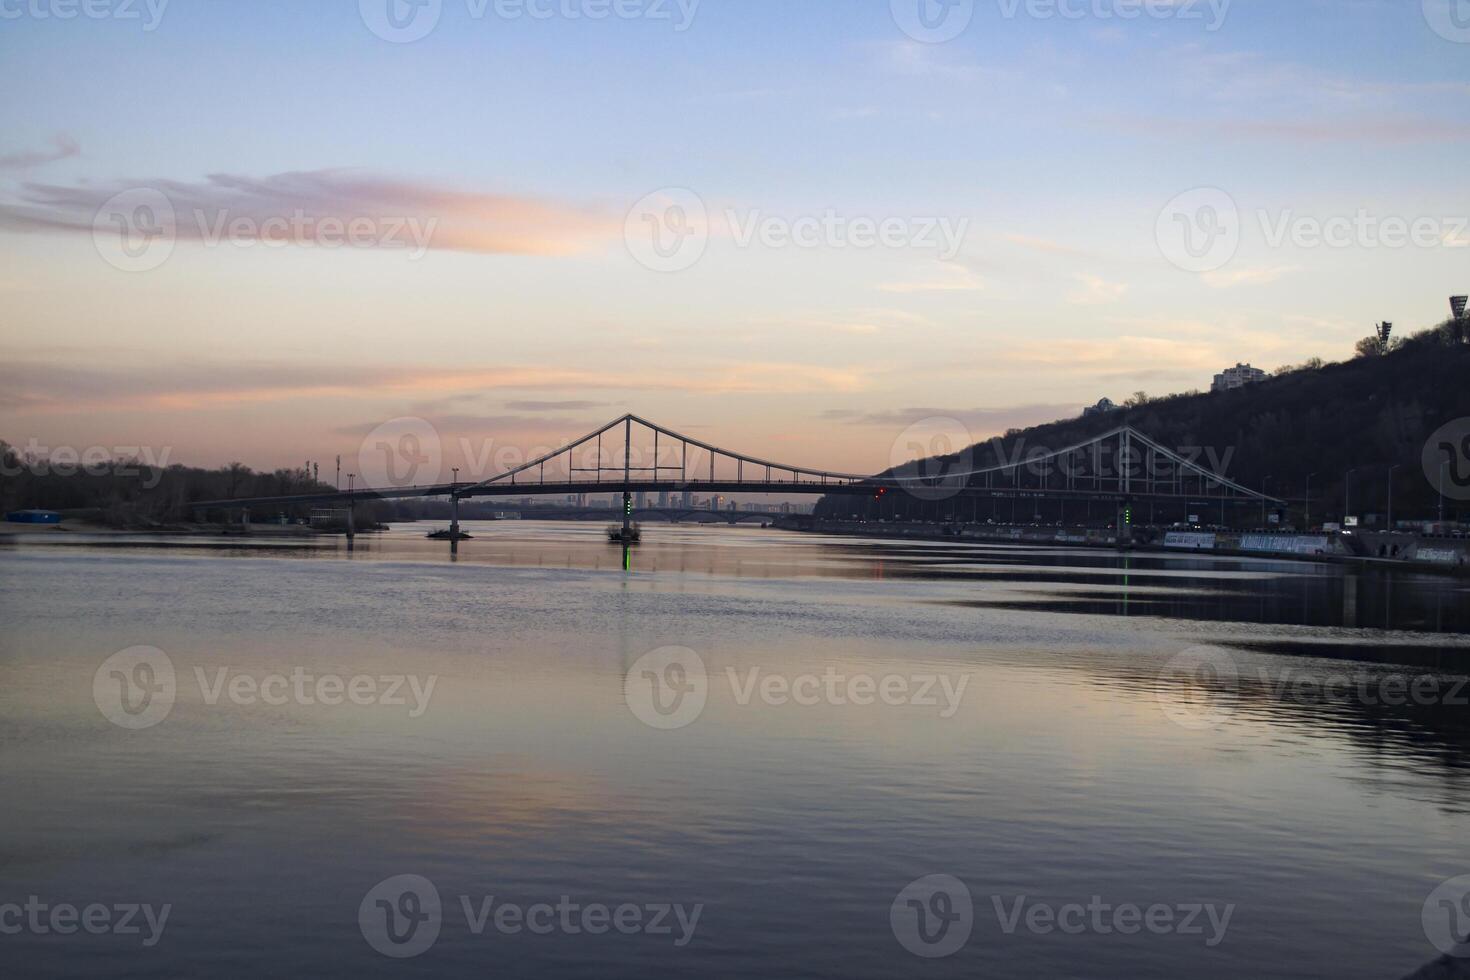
pixel 1103 407
pixel 1237 377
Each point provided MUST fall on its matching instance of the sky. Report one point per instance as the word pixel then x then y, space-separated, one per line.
pixel 260 231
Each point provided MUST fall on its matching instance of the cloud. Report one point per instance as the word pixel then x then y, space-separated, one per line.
pixel 565 406
pixel 1097 291
pixel 955 278
pixel 1351 128
pixel 783 377
pixel 1126 354
pixel 928 61
pixel 19 401
pixel 1045 245
pixel 1255 275
pixel 980 421
pixel 1246 95
pixel 863 322
pixel 63 388
pixel 1254 79
pixel 475 424
pixel 314 204
pixel 64 145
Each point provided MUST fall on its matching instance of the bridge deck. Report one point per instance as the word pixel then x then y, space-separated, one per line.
pixel 468 491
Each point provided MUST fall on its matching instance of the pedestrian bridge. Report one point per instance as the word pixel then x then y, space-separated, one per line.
pixel 631 455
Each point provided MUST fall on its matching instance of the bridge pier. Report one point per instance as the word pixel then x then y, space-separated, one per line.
pixel 454 524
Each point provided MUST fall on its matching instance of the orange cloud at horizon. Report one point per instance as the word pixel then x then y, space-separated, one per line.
pixel 37 389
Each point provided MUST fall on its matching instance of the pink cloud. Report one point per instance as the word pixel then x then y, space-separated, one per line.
pixel 64 145
pixel 306 207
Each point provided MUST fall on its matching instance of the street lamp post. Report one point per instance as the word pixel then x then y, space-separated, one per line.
pixel 1264 484
pixel 1347 494
pixel 1442 464
pixel 1390 494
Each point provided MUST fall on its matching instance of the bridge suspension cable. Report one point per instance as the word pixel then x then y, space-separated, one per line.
pixel 767 470
pixel 926 472
pixel 1121 463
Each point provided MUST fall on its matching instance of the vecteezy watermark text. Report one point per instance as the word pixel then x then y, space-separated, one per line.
pixel 1201 230
pixel 402 917
pixel 136 230
pixel 1363 229
pixel 1450 19
pixel 1211 13
pixel 670 230
pixel 136 688
pixel 1200 688
pixel 934 916
pixel 1391 690
pixel 668 688
pixel 403 452
pixel 305 688
pixel 40 918
pixel 1097 917
pixel 150 12
pixel 406 21
pixel 1446 459
pixel 830 229
pixel 937 21
pixel 1446 917
pixel 325 231
pixel 66 461
pixel 834 687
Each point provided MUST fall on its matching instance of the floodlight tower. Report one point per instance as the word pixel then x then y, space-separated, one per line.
pixel 1385 332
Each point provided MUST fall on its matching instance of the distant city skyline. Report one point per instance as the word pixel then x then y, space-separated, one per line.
pixel 795 230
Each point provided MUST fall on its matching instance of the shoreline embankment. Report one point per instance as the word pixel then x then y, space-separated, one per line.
pixel 1369 549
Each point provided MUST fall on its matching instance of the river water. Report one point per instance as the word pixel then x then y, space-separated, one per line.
pixel 753 753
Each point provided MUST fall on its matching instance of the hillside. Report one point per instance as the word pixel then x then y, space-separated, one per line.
pixel 1366 414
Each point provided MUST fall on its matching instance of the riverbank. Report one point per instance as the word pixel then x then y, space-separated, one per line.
pixel 1445 556
pixel 32 532
pixel 1445 968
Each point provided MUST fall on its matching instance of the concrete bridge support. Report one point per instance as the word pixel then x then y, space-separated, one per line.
pixel 454 524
